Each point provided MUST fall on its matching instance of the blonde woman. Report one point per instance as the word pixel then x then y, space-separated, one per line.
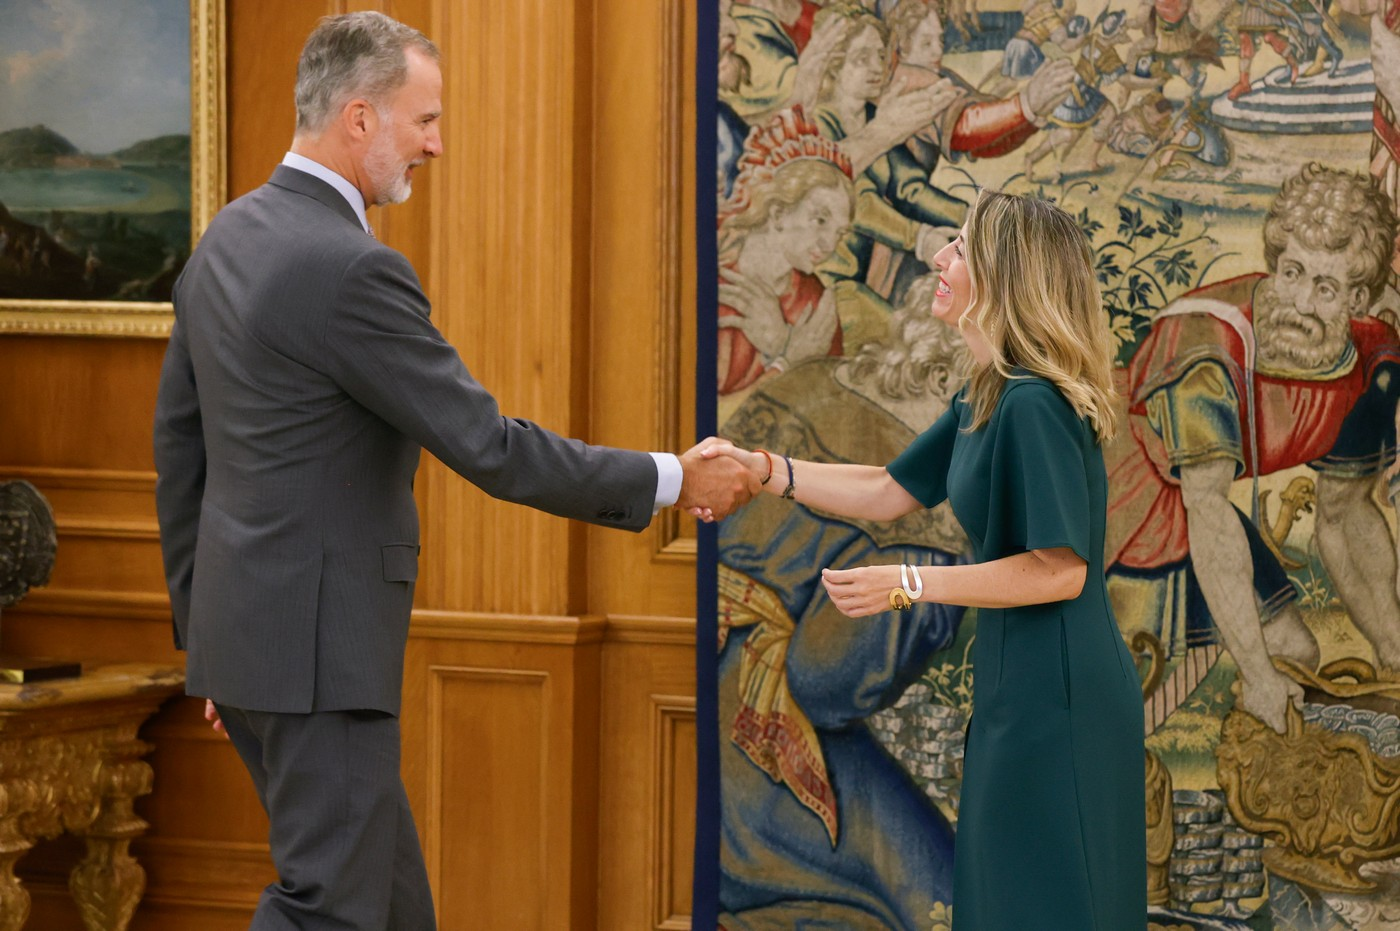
pixel 1051 825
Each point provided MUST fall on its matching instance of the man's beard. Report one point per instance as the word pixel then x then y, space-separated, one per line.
pixel 1299 341
pixel 387 172
pixel 733 71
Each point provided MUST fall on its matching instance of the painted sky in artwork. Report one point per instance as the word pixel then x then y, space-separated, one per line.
pixel 102 73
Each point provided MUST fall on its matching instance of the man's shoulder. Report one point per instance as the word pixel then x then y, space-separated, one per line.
pixel 1237 292
pixel 1213 324
pixel 281 234
pixel 1374 333
pixel 1377 344
pixel 292 220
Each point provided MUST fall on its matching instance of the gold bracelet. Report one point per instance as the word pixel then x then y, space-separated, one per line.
pixel 899 601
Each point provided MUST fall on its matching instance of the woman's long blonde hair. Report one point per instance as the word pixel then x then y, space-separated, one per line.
pixel 1036 302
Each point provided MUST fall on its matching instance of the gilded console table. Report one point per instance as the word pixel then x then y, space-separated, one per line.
pixel 70 761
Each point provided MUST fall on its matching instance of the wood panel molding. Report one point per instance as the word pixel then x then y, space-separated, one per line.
pixel 216 874
pixel 512 628
pixel 105 504
pixel 670 866
pixel 644 629
pixel 647 786
pixel 75 602
pixel 522 702
pixel 117 480
pixel 674 532
pixel 98 528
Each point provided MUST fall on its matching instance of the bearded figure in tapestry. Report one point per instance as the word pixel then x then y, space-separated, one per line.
pixel 1235 165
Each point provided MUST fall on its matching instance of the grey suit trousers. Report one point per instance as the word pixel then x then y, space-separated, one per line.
pixel 330 783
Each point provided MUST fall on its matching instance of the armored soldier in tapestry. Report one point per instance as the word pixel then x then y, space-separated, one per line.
pixel 1235 165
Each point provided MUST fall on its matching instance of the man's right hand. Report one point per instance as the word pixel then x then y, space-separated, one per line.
pixel 901 112
pixel 713 488
pixel 1268 696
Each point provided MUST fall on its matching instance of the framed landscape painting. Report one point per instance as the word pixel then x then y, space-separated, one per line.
pixel 111 159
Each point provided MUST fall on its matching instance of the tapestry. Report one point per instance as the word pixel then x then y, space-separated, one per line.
pixel 1233 164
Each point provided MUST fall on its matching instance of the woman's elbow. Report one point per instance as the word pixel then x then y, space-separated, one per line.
pixel 1063 573
pixel 1072 580
pixel 892 500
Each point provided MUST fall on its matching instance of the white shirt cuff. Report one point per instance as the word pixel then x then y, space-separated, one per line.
pixel 668 480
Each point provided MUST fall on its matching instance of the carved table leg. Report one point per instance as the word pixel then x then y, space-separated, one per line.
pixel 17 798
pixel 108 883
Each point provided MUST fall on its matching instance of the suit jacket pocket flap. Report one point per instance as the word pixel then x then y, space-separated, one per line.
pixel 400 562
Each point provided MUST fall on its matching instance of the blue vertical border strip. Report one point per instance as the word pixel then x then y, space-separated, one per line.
pixel 705 890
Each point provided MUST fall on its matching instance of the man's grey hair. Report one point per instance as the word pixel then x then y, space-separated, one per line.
pixel 353 55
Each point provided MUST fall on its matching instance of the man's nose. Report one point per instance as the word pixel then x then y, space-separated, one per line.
pixel 432 146
pixel 1307 302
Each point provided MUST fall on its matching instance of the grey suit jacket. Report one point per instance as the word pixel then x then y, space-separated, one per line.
pixel 301 381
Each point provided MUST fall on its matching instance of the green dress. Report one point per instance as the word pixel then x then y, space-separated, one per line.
pixel 1052 822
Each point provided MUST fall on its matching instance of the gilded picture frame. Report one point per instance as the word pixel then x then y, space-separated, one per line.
pixel 134 316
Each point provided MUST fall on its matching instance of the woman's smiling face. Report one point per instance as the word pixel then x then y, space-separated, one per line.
pixel 954 292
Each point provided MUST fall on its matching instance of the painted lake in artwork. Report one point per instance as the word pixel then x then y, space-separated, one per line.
pixel 95 149
pixel 81 227
pixel 131 190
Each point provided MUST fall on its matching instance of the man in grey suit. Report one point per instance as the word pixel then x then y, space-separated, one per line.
pixel 302 379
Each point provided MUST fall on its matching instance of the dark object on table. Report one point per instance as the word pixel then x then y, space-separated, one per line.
pixel 28 542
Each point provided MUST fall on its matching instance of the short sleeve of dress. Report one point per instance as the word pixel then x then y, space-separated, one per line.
pixel 922 469
pixel 1039 476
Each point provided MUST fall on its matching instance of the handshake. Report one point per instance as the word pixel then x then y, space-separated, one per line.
pixel 718 478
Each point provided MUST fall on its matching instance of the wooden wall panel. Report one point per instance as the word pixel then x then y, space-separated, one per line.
pixel 264 40
pixel 644 286
pixel 501 765
pixel 503 271
pixel 644 343
pixel 548 732
pixel 647 791
pixel 488 728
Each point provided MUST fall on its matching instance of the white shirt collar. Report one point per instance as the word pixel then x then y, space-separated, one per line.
pixel 338 181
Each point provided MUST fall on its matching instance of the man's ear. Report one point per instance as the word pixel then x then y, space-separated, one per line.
pixel 1360 301
pixel 359 118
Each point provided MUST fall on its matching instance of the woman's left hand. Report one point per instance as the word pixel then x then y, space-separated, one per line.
pixel 861 592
